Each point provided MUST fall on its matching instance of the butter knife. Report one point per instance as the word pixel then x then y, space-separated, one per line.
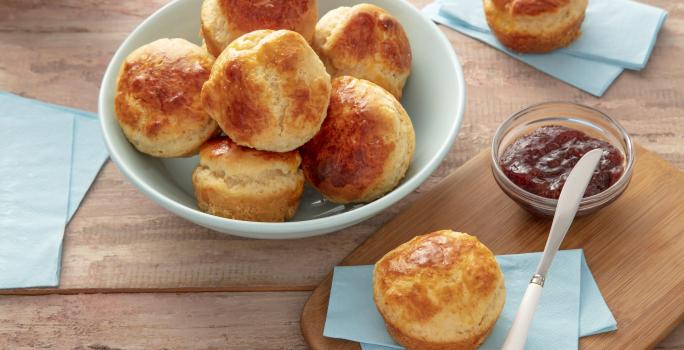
pixel 570 197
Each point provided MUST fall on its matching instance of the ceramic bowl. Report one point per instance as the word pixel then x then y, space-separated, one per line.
pixel 434 97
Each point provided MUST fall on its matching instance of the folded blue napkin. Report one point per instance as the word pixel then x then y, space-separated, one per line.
pixel 88 152
pixel 51 156
pixel 34 177
pixel 571 305
pixel 616 34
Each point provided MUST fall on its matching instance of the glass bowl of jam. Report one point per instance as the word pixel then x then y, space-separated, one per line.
pixel 534 150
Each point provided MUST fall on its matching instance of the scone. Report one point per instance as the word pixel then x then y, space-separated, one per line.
pixel 223 21
pixel 364 147
pixel 158 102
pixel 268 90
pixel 365 42
pixel 535 26
pixel 245 184
pixel 443 290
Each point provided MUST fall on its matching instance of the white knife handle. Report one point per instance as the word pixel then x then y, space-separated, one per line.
pixel 523 319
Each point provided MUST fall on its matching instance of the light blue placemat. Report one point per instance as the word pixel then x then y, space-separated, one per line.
pixel 34 195
pixel 559 321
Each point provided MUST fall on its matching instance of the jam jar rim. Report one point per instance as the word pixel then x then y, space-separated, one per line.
pixel 550 203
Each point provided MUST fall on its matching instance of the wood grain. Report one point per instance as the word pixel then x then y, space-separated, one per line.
pixel 209 321
pixel 120 241
pixel 633 246
pixel 202 321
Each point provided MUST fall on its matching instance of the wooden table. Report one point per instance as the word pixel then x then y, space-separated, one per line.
pixel 137 277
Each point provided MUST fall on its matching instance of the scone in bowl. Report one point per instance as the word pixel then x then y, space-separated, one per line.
pixel 434 97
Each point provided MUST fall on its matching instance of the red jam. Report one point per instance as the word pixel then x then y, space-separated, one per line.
pixel 541 161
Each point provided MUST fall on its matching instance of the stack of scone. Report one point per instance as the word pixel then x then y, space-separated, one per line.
pixel 271 99
pixel 440 291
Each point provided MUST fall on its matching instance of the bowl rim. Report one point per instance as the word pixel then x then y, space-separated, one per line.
pixel 288 229
pixel 596 199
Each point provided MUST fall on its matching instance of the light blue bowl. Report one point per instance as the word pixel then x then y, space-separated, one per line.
pixel 434 97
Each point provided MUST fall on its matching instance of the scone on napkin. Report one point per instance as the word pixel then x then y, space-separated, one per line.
pixel 571 306
pixel 615 34
pixel 442 290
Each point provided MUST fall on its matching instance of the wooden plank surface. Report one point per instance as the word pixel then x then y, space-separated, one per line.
pixel 120 241
pixel 205 321
pixel 633 246
pixel 152 321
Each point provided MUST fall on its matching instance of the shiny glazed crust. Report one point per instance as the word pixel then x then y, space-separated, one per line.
pixel 157 100
pixel 364 147
pixel 365 42
pixel 245 184
pixel 222 21
pixel 529 7
pixel 268 90
pixel 535 26
pixel 443 290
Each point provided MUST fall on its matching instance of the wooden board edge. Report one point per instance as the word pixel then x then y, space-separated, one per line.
pixel 315 308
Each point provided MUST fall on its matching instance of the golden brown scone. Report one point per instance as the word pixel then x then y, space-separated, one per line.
pixel 245 184
pixel 365 42
pixel 535 26
pixel 268 90
pixel 364 147
pixel 158 102
pixel 223 21
pixel 204 47
pixel 440 291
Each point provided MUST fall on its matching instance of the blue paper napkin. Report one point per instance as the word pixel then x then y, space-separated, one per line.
pixel 616 34
pixel 51 156
pixel 571 306
pixel 89 152
pixel 34 197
